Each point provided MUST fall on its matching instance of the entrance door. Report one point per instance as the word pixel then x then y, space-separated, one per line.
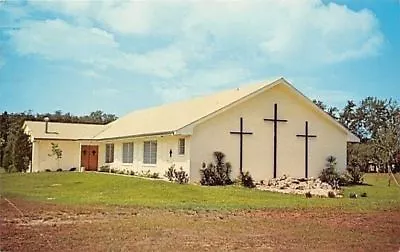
pixel 89 157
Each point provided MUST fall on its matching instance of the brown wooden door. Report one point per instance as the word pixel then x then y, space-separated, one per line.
pixel 89 157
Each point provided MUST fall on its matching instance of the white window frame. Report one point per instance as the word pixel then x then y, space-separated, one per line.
pixel 150 158
pixel 109 158
pixel 129 152
pixel 182 146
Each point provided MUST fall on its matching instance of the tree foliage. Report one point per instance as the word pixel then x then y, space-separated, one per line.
pixel 377 123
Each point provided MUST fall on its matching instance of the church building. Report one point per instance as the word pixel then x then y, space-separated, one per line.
pixel 269 129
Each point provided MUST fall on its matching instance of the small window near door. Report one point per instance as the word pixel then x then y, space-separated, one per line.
pixel 109 153
pixel 181 146
pixel 127 153
pixel 150 152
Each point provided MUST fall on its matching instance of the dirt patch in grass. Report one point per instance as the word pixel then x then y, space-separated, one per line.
pixel 50 227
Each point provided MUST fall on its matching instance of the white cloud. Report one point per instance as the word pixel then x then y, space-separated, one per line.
pixel 202 37
pixel 165 62
pixel 59 40
pixel 285 31
pixel 200 82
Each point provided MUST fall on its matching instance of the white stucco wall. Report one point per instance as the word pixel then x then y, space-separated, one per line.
pixel 42 161
pixel 164 145
pixel 214 135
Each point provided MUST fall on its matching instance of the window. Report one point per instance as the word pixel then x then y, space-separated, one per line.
pixel 181 146
pixel 127 153
pixel 109 153
pixel 150 152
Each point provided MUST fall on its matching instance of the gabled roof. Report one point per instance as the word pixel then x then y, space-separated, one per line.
pixel 175 117
pixel 167 119
pixel 62 131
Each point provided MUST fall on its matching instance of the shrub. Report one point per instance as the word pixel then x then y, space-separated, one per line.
pixel 353 195
pixel 329 174
pixel 112 170
pixel 145 174
pixel 169 174
pixel 246 180
pixel 47 170
pixel 343 180
pixel 218 173
pixel 12 168
pixel 354 175
pixel 72 169
pixel 331 194
pixel 104 168
pixel 132 173
pixel 364 195
pixel 308 195
pixel 179 176
pixel 59 170
pixel 155 175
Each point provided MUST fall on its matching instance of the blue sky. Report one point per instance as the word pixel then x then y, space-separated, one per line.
pixel 81 56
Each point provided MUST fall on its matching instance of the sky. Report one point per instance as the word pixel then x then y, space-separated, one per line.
pixel 80 56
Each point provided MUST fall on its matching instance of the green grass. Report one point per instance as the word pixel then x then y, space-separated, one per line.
pixel 103 189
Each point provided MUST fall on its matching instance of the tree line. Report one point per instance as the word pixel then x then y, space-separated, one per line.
pixel 375 121
pixel 15 147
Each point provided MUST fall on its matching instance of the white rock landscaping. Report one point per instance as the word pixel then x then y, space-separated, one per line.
pixel 289 185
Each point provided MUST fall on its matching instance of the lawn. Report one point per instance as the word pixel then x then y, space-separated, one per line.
pixel 99 212
pixel 102 189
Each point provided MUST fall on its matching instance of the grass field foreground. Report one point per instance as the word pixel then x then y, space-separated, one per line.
pixel 103 189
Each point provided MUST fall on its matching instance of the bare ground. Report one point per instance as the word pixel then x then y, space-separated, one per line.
pixel 52 227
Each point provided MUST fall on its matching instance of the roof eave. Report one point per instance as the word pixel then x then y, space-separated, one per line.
pixel 164 133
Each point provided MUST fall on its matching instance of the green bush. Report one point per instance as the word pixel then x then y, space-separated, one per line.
pixel 180 176
pixel 59 170
pixel 308 195
pixel 218 173
pixel 353 195
pixel 47 170
pixel 246 180
pixel 354 175
pixel 331 194
pixel 329 174
pixel 145 174
pixel 155 175
pixel 104 168
pixel 170 173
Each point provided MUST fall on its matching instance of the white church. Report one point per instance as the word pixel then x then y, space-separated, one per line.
pixel 268 129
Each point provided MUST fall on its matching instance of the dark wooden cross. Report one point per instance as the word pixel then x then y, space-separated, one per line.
pixel 241 133
pixel 275 120
pixel 306 137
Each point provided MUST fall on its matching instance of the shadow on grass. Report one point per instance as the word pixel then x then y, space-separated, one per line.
pixel 361 184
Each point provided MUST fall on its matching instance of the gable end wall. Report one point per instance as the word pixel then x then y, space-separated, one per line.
pixel 214 135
